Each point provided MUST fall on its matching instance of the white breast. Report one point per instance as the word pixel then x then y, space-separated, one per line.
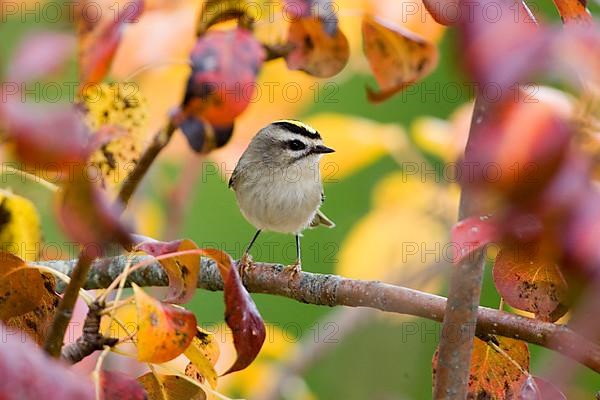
pixel 281 201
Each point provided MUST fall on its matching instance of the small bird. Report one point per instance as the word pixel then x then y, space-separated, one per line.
pixel 277 182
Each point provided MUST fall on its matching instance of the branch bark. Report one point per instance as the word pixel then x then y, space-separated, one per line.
pixel 64 312
pixel 461 313
pixel 332 290
pixel 160 140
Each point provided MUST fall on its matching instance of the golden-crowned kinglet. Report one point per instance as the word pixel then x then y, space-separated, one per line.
pixel 277 181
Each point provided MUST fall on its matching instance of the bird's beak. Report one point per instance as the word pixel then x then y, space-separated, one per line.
pixel 320 149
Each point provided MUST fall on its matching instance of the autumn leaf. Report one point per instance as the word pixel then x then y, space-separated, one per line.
pixel 471 234
pixel 241 314
pixel 55 139
pixel 165 331
pixel 87 217
pixel 203 353
pixel 398 58
pixel 22 287
pixel 493 374
pixel 182 270
pixel 574 11
pixel 527 281
pixel 354 149
pixel 325 10
pixel 170 387
pixel 27 373
pixel 119 386
pixel 99 39
pixel 117 116
pixel 20 231
pixel 315 51
pixel 222 83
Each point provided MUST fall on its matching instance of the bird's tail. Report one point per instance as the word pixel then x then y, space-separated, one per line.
pixel 321 219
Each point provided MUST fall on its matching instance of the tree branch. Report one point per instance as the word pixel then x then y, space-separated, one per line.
pixel 64 312
pixel 454 356
pixel 332 290
pixel 160 140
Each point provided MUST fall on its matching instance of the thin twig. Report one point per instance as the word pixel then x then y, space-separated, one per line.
pixel 332 290
pixel 64 312
pixel 160 140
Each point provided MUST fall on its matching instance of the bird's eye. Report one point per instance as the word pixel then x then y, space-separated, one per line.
pixel 296 145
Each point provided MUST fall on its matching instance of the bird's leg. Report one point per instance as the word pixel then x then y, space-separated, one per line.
pixel 296 267
pixel 246 260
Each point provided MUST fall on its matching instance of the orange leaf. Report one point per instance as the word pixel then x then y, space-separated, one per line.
pixel 398 58
pixel 170 387
pixel 315 51
pixel 182 270
pixel 494 375
pixel 22 288
pixel 165 331
pixel 528 282
pixel 573 11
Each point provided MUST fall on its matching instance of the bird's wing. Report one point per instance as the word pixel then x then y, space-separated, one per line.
pixel 233 177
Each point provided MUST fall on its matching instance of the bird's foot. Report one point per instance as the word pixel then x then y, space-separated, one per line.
pixel 245 264
pixel 294 269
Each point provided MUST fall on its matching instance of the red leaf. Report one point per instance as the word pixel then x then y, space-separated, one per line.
pixel 99 40
pixel 119 386
pixel 87 217
pixel 316 51
pixel 47 137
pixel 182 270
pixel 531 283
pixel 220 87
pixel 241 313
pixel 398 58
pixel 27 373
pixel 471 234
pixel 518 150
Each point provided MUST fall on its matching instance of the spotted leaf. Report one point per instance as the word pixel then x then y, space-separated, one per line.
pixel 398 58
pixel 182 270
pixel 165 331
pixel 315 51
pixel 528 281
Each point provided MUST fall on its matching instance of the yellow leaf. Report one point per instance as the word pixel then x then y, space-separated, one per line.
pixel 203 354
pixel 19 226
pixel 119 112
pixel 170 387
pixel 403 235
pixel 443 139
pixel 358 142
